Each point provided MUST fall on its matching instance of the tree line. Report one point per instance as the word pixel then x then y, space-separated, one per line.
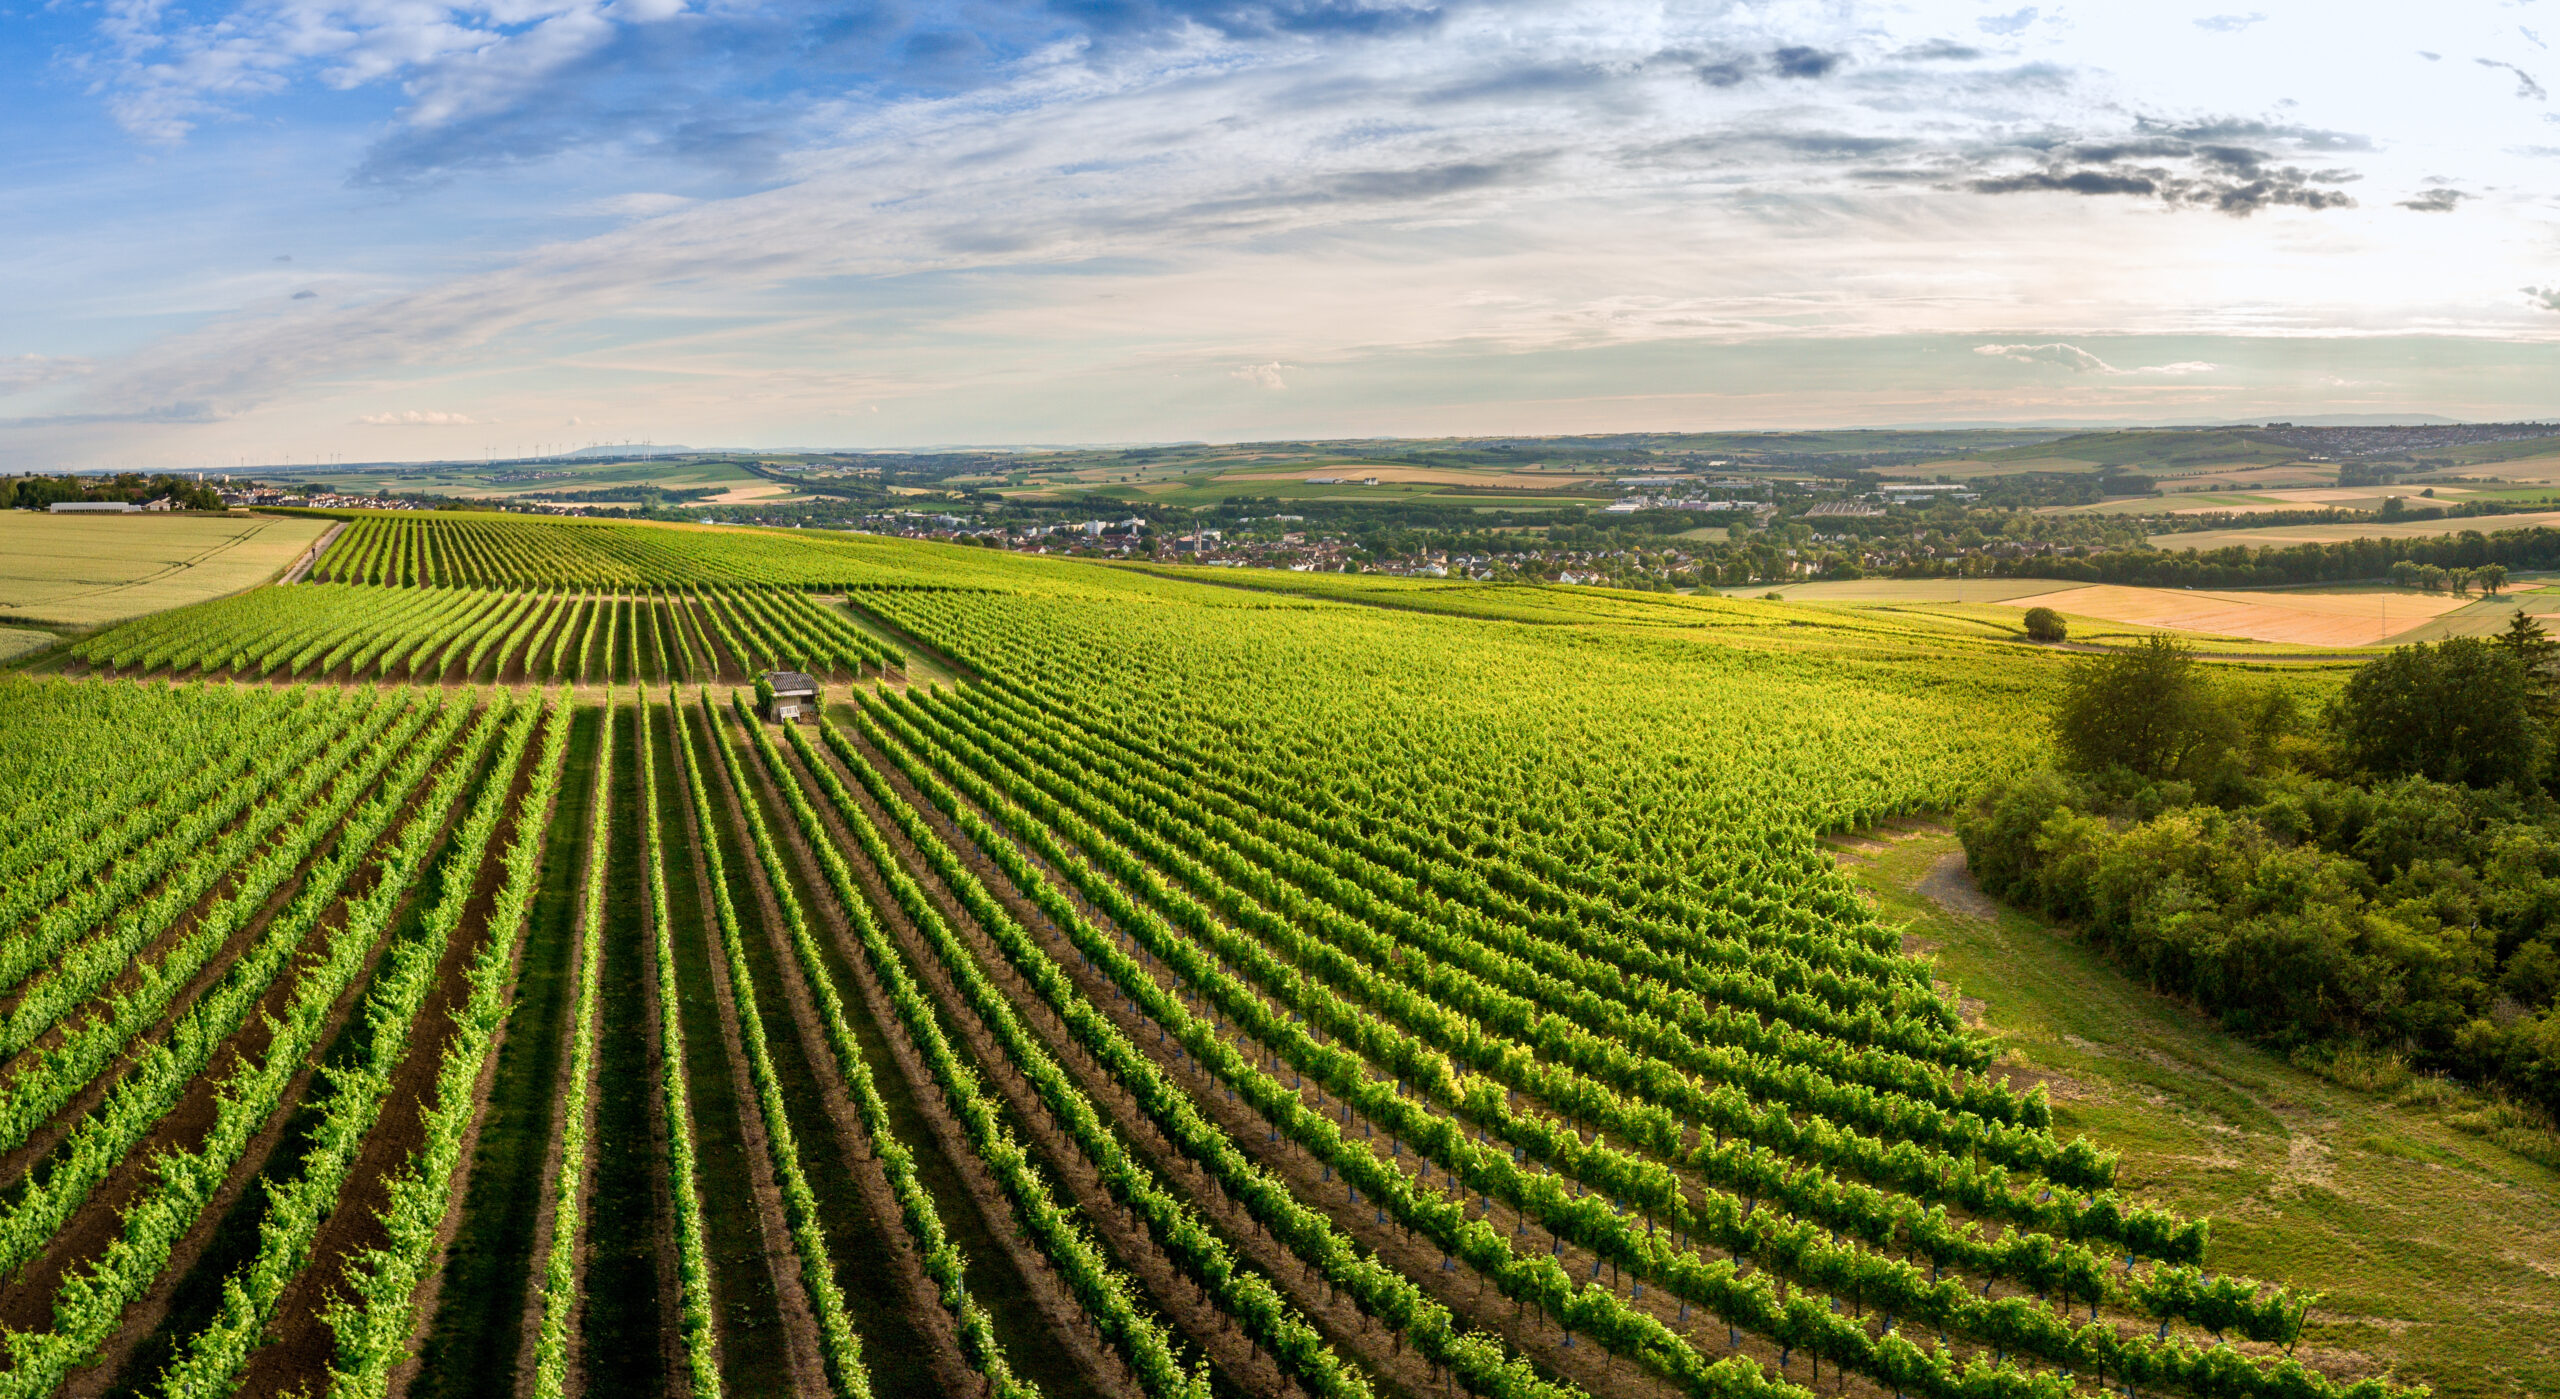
pixel 38 492
pixel 2242 566
pixel 2378 873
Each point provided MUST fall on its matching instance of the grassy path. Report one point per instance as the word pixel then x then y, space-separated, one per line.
pixel 2440 1251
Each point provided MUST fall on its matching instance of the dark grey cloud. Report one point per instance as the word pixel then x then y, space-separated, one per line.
pixel 1746 145
pixel 2068 182
pixel 2216 164
pixel 2526 87
pixel 1427 182
pixel 2303 138
pixel 305 295
pixel 2543 298
pixel 1798 61
pixel 1376 187
pixel 1526 80
pixel 1939 51
pixel 2435 201
pixel 2108 152
pixel 1835 145
pixel 1793 61
pixel 2282 187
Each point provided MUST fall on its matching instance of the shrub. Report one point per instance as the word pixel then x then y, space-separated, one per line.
pixel 2045 624
pixel 2461 711
pixel 2150 710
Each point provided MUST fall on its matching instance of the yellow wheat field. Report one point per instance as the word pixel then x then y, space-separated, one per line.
pixel 2307 619
pixel 85 570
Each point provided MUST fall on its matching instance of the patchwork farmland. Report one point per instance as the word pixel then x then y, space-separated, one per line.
pixel 447 982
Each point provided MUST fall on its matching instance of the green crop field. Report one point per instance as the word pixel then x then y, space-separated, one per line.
pixel 1128 981
pixel 85 570
pixel 17 642
pixel 512 479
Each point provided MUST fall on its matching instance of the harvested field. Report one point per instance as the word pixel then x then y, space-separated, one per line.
pixel 2285 536
pixel 2307 619
pixel 1905 590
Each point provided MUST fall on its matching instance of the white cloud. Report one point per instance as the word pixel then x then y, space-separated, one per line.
pixel 416 418
pixel 2071 357
pixel 2231 24
pixel 167 70
pixel 19 373
pixel 1246 206
pixel 2080 361
pixel 637 205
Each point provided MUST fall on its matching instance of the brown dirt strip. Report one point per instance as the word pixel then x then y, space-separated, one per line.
pixel 674 1362
pixel 41 1142
pixel 300 1344
pixel 905 639
pixel 922 1308
pixel 1192 1309
pixel 555 1155
pixel 125 979
pixel 781 1257
pixel 700 662
pixel 99 1220
pixel 1417 1258
pixel 2129 1325
pixel 1066 1317
pixel 423 1311
pixel 1335 1315
pixel 728 665
pixel 186 1126
pixel 508 659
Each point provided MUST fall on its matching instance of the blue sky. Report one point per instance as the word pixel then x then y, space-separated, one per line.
pixel 253 230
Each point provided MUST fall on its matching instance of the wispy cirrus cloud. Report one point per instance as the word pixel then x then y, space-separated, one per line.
pixel 2080 361
pixel 771 201
pixel 20 373
pixel 416 417
pixel 2527 86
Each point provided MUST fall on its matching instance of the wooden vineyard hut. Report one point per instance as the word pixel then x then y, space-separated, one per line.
pixel 785 694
